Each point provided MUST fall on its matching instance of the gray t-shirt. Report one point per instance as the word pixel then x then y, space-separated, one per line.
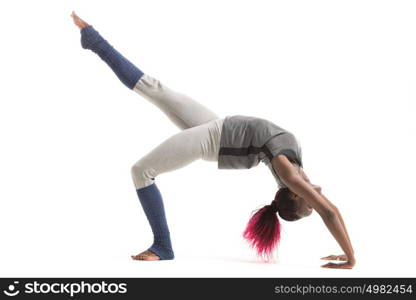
pixel 246 140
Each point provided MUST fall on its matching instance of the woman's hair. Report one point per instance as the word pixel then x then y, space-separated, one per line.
pixel 263 228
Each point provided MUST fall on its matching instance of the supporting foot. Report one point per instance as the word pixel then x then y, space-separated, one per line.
pixel 145 255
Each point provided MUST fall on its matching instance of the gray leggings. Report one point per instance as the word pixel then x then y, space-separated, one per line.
pixel 199 138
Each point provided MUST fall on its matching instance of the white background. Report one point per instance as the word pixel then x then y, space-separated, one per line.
pixel 341 75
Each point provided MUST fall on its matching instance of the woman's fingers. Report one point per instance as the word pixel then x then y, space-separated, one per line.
pixel 329 257
pixel 327 265
pixel 330 265
pixel 335 257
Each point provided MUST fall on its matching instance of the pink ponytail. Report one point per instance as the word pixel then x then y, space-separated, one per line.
pixel 263 229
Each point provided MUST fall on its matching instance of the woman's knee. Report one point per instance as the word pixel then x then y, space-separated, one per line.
pixel 142 175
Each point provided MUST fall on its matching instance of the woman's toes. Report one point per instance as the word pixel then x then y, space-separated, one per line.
pixel 146 255
pixel 136 257
pixel 140 256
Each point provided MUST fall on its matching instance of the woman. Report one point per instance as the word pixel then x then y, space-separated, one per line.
pixel 235 142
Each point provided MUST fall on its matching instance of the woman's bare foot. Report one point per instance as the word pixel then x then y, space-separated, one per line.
pixel 146 255
pixel 78 21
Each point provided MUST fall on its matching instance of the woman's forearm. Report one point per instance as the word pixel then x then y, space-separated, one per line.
pixel 345 229
pixel 342 222
pixel 335 226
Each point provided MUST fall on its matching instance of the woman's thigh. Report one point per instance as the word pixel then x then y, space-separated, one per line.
pixel 179 150
pixel 181 109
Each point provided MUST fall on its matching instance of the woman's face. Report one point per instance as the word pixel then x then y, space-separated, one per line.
pixel 304 209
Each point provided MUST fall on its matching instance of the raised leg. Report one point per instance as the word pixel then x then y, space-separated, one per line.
pixel 127 72
pixel 182 110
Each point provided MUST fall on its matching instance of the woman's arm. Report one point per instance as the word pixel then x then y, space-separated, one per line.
pixel 323 207
pixel 342 221
pixel 318 188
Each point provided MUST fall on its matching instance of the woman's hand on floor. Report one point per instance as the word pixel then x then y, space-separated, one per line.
pixel 348 264
pixel 335 257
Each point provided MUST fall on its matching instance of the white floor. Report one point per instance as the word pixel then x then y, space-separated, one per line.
pixel 85 263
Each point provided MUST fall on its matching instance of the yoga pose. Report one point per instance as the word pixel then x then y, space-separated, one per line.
pixel 235 142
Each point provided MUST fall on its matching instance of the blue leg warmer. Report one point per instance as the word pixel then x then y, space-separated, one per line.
pixel 152 203
pixel 127 72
